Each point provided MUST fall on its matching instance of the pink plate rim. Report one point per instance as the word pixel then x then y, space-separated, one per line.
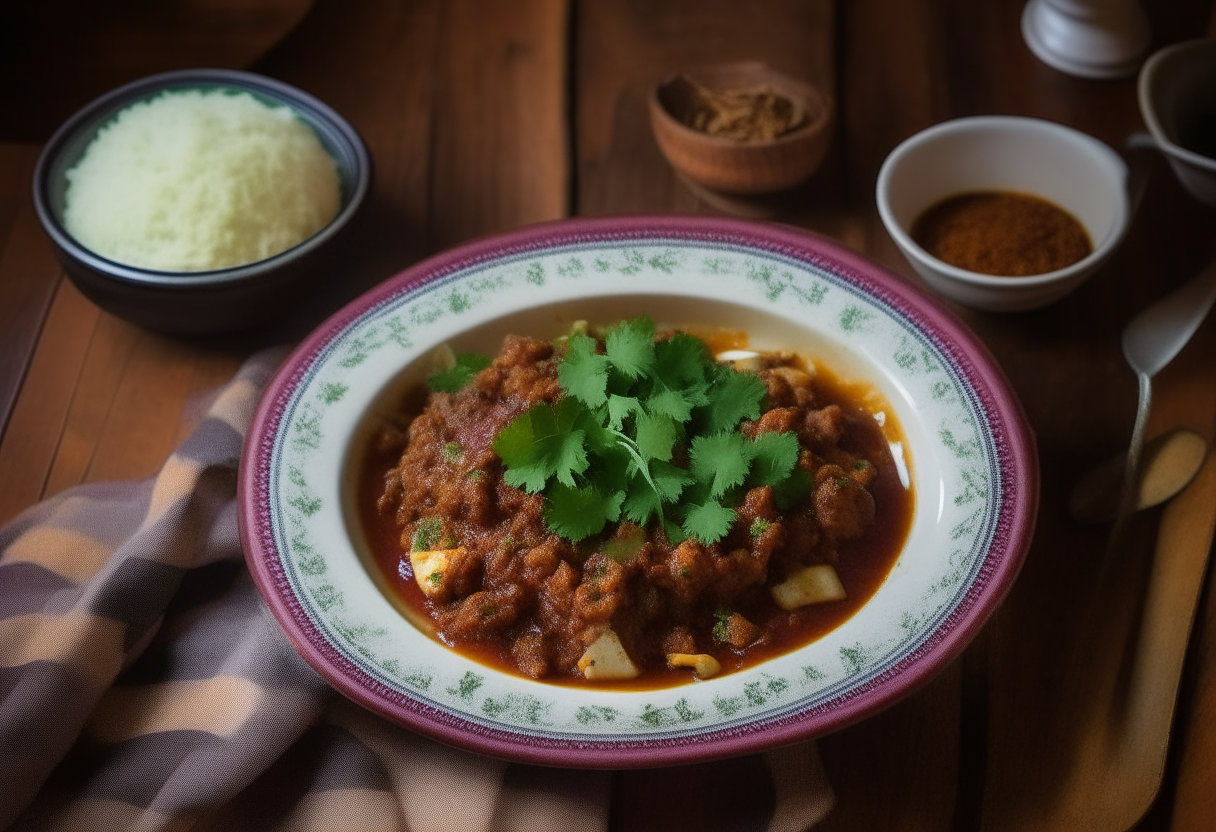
pixel 1017 464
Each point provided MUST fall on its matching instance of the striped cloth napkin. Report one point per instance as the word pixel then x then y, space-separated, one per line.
pixel 144 685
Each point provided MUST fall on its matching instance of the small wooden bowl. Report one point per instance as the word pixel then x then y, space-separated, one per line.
pixel 730 166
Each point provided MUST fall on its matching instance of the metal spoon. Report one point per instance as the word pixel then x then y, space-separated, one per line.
pixel 1151 340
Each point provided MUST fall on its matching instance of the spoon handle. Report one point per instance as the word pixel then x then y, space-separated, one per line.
pixel 1158 333
pixel 1127 496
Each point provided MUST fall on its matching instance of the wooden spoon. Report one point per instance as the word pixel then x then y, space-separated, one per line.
pixel 1125 736
pixel 1105 750
pixel 1167 464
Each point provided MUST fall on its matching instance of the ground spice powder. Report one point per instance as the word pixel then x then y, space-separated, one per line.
pixel 1002 233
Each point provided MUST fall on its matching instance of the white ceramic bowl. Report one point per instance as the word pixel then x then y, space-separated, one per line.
pixel 1177 93
pixel 970 454
pixel 1005 153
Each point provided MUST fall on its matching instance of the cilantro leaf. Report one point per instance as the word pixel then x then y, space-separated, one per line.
pixel 540 444
pixel 516 446
pixel 565 447
pixel 620 408
pixel 642 503
pixel 578 513
pixel 733 397
pixel 656 436
pixel 721 461
pixel 467 366
pixel 571 414
pixel 669 480
pixel 584 372
pixel 630 347
pixel 708 522
pixel 681 360
pixel 612 469
pixel 674 403
pixel 774 456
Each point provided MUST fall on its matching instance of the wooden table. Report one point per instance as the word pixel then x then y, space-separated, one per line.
pixel 486 116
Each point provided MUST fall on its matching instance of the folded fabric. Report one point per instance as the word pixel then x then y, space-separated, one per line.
pixel 144 685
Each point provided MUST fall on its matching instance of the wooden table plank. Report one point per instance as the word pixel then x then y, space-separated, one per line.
pixel 145 393
pixel 110 346
pixel 28 272
pixel 30 442
pixel 467 131
pixel 500 142
pixel 67 52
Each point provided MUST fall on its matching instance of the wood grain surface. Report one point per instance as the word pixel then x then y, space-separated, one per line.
pixel 487 116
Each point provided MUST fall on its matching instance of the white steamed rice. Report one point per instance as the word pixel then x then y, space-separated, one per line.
pixel 191 180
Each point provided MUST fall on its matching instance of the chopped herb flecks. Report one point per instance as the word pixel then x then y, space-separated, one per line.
pixel 721 631
pixel 426 534
pixel 759 527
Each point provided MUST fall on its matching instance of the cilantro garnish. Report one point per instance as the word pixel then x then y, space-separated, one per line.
pixel 546 443
pixel 648 431
pixel 461 373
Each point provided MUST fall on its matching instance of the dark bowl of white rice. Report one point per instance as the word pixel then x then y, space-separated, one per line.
pixel 199 201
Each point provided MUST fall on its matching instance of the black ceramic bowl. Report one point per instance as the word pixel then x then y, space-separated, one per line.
pixel 199 301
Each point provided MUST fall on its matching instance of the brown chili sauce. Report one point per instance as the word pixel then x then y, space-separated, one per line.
pixel 526 601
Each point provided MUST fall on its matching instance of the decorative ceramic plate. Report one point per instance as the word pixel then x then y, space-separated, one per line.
pixel 970 458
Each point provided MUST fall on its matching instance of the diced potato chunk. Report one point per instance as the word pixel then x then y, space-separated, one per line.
pixel 811 585
pixel 606 659
pixel 443 358
pixel 702 664
pixel 430 568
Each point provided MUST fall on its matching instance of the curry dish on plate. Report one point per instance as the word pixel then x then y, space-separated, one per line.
pixel 633 508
